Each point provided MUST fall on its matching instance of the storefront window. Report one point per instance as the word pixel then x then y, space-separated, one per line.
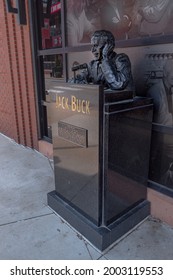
pixel 51 24
pixel 53 73
pixel 158 86
pixel 86 16
pixel 77 59
pixel 79 27
pixel 161 164
pixel 53 68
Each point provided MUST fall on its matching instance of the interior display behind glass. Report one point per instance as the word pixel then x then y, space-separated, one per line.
pixel 51 33
pixel 127 20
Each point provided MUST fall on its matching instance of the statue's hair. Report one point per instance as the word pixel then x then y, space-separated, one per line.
pixel 106 36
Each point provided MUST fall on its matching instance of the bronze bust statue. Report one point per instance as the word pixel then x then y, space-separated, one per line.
pixel 109 69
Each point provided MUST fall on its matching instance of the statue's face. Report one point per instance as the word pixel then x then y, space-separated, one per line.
pixel 97 47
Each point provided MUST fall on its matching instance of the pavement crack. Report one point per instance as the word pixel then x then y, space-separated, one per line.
pixel 51 165
pixel 26 219
pixel 86 245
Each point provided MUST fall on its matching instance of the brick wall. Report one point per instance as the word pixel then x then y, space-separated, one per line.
pixel 17 97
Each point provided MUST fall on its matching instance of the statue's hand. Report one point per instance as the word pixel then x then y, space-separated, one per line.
pixel 77 80
pixel 106 51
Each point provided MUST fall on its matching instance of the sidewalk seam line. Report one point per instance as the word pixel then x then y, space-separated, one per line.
pixel 34 217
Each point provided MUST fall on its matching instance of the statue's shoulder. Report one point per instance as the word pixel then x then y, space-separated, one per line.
pixel 91 63
pixel 122 57
pixel 122 61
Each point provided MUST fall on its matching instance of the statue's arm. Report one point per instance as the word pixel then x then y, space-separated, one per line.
pixel 82 78
pixel 117 71
pixel 85 77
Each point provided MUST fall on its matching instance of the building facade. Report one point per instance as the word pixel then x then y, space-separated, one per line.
pixel 41 40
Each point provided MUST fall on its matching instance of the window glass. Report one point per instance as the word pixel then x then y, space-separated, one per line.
pixel 161 161
pixel 53 73
pixel 159 86
pixel 75 59
pixel 79 22
pixel 51 24
pixel 86 16
pixel 126 19
pixel 53 69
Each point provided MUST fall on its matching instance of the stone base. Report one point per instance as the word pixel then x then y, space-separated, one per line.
pixel 100 237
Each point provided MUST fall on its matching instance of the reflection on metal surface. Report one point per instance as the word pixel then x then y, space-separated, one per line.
pixel 72 133
pixel 74 118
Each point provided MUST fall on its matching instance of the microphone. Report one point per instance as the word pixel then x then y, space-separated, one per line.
pixel 79 67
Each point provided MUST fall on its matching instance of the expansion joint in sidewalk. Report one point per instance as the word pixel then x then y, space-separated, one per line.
pixel 26 219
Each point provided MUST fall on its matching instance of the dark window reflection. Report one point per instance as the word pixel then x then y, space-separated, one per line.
pixel 159 86
pixel 51 24
pixel 161 162
pixel 53 73
pixel 53 69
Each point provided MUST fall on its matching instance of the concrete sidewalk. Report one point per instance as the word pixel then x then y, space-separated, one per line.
pixel 29 229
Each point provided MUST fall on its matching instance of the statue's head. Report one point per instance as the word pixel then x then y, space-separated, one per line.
pixel 99 39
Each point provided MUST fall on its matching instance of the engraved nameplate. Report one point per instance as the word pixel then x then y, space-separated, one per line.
pixel 72 133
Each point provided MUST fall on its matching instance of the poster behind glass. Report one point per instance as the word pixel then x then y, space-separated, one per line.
pixel 159 86
pixel 126 19
pixel 51 24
